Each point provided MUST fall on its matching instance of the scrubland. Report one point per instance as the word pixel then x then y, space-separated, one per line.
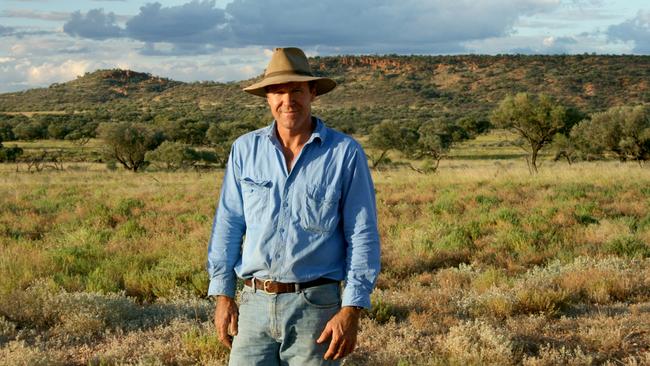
pixel 482 264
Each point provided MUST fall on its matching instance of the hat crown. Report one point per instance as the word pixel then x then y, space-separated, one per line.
pixel 289 60
pixel 289 65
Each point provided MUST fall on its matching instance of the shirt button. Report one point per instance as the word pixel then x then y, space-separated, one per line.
pixel 286 204
pixel 281 230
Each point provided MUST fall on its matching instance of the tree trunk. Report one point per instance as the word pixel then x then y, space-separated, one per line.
pixel 533 159
pixel 378 161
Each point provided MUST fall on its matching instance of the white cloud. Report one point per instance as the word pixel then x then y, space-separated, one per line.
pixel 95 24
pixel 636 30
pixel 34 64
pixel 35 14
pixel 583 43
pixel 48 73
pixel 548 41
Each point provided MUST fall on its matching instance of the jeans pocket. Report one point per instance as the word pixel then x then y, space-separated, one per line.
pixel 244 296
pixel 322 297
pixel 255 194
pixel 320 211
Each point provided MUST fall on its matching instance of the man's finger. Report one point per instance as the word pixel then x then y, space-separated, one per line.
pixel 325 335
pixel 333 348
pixel 348 348
pixel 233 325
pixel 223 335
pixel 340 353
pixel 225 338
pixel 227 341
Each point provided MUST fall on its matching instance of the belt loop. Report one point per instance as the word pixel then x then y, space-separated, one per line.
pixel 296 287
pixel 254 285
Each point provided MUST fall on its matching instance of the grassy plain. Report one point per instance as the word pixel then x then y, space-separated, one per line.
pixel 482 264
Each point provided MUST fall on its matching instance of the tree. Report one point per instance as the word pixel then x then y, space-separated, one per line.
pixel 129 142
pixel 30 130
pixel 565 147
pixel 82 133
pixel 635 133
pixel 185 129
pixel 536 119
pixel 391 135
pixel 6 131
pixel 474 126
pixel 431 139
pixel 174 155
pixel 434 140
pixel 9 154
pixel 621 131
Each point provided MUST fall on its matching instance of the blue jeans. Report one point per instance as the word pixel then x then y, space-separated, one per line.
pixel 282 329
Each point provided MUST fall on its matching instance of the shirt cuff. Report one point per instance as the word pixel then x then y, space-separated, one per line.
pixel 355 297
pixel 222 287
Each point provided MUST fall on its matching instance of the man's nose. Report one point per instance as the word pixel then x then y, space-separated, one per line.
pixel 288 99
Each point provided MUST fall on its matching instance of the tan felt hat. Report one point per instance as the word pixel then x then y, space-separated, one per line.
pixel 289 65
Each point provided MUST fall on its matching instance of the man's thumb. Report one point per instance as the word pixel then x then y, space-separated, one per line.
pixel 327 332
pixel 233 325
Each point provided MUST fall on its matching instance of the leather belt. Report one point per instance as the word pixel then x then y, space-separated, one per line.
pixel 273 287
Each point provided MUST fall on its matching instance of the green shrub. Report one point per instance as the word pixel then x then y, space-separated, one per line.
pixel 125 206
pixel 628 246
pixel 382 311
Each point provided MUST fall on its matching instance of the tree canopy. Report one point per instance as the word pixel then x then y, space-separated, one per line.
pixel 535 118
pixel 128 142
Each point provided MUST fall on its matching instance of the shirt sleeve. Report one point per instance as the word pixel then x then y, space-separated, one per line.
pixel 359 214
pixel 228 227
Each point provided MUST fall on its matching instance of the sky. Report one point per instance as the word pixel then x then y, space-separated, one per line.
pixel 48 41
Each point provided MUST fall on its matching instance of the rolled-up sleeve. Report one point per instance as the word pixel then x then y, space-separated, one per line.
pixel 359 216
pixel 228 227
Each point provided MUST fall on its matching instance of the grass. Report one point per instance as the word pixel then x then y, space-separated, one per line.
pixel 482 264
pixel 495 145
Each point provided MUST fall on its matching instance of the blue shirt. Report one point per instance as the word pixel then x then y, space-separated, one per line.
pixel 318 220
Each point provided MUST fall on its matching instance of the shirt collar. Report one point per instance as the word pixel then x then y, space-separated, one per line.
pixel 319 133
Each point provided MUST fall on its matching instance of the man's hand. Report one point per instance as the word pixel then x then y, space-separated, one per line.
pixel 226 314
pixel 342 328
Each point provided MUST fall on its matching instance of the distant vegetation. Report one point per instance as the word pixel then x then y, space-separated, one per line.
pixel 424 104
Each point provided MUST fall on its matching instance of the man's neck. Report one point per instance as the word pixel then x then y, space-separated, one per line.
pixel 295 139
pixel 292 141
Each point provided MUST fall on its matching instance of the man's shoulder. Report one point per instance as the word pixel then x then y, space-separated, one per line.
pixel 339 138
pixel 251 137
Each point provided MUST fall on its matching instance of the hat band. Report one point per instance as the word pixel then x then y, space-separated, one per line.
pixel 289 72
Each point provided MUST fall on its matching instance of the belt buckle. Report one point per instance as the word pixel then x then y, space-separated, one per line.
pixel 265 286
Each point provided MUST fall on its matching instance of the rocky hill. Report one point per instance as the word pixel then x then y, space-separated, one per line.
pixel 404 86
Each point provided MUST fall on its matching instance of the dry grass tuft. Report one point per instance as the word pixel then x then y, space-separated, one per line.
pixel 477 342
pixel 549 356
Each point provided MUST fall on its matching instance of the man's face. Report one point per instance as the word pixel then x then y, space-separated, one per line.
pixel 290 104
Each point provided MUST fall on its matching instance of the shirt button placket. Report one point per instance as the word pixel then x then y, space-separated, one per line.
pixel 282 223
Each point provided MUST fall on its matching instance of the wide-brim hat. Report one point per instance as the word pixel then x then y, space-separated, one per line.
pixel 289 65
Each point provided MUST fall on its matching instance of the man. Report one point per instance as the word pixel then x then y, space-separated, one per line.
pixel 302 197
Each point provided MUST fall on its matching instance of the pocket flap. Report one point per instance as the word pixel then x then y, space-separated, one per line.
pixel 324 194
pixel 256 182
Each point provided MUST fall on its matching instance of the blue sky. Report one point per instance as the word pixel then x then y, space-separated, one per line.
pixel 47 41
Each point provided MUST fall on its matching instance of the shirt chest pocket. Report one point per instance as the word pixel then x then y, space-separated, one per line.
pixel 320 212
pixel 256 194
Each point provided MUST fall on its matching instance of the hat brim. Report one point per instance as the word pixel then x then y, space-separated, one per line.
pixel 323 85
